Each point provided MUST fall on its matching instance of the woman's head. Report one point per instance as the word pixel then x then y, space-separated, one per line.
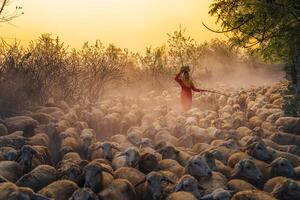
pixel 185 72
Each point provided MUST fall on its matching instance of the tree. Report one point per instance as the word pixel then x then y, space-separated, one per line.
pixel 101 66
pixel 182 49
pixel 265 27
pixel 6 16
pixel 268 27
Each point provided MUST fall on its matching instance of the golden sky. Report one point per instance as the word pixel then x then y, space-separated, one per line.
pixel 132 24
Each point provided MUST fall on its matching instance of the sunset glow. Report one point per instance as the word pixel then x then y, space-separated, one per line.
pixel 133 24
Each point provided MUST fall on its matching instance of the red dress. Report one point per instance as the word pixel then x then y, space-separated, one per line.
pixel 186 93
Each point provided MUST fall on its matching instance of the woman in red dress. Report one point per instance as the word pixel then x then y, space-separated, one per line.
pixel 183 78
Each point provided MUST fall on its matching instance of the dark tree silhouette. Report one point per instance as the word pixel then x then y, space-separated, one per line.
pixel 7 15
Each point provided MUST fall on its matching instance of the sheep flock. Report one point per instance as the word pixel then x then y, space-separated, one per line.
pixel 240 147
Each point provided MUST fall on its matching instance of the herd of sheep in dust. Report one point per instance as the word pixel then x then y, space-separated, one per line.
pixel 240 147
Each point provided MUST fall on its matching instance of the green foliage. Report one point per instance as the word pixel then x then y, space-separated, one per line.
pixel 268 27
pixel 182 49
pixel 101 66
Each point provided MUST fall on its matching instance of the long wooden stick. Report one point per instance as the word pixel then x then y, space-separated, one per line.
pixel 216 92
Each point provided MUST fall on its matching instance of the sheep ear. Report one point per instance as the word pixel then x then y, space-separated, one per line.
pixel 18 155
pixel 115 147
pixel 121 154
pixel 271 164
pixel 168 180
pixel 277 190
pixel 207 197
pixel 99 146
pixel 141 182
pixel 178 187
pixel 236 170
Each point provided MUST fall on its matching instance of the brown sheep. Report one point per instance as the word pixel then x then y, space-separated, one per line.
pixel 59 190
pixel 84 194
pixel 285 138
pixel 10 191
pixel 38 178
pixel 238 185
pixel 133 175
pixel 181 195
pixel 32 156
pixel 10 170
pixel 155 187
pixel 247 170
pixel 295 160
pixel 252 195
pixel 118 189
pixel 95 177
pixel 286 148
pixel 170 152
pixel 188 183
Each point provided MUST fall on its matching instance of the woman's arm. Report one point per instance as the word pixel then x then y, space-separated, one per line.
pixel 177 78
pixel 196 89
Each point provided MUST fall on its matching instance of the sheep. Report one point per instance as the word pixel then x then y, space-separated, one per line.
pixel 146 142
pixel 200 147
pixel 106 150
pixel 71 171
pixel 87 137
pixel 9 191
pixel 181 195
pixel 154 186
pixel 252 195
pixel 281 167
pixel 198 167
pixel 134 136
pixel 238 185
pixel 287 190
pixel 148 162
pixel 286 148
pixel 59 190
pixel 95 178
pixel 172 166
pixel 271 183
pixel 8 153
pixel 131 174
pixel 130 157
pixel 170 152
pixel 18 123
pixel 118 189
pixel 3 129
pixel 39 139
pixel 295 160
pixel 10 170
pixel 32 156
pixel 247 170
pixel 166 136
pixel 42 118
pixel 218 194
pixel 188 183
pixel 259 151
pixel 84 194
pixel 185 141
pixel 15 141
pixel 38 178
pixel 285 138
pixel 289 124
pixel 230 144
pixel 222 153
